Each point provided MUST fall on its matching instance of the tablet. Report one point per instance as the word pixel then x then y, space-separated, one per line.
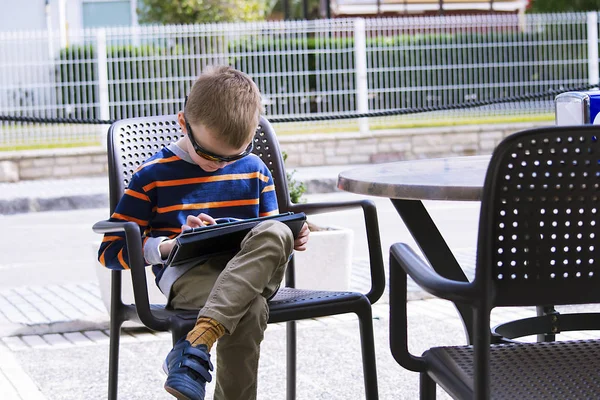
pixel 223 238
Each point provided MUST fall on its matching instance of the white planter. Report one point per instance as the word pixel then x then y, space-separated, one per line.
pixel 327 261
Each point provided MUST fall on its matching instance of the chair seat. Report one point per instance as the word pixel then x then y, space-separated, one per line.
pixel 312 303
pixel 546 370
pixel 303 303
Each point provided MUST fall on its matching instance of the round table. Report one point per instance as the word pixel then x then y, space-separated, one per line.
pixel 453 178
pixel 406 184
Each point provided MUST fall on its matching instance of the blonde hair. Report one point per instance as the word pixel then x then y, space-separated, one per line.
pixel 227 102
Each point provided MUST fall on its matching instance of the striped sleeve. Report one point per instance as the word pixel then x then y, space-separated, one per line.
pixel 136 206
pixel 268 198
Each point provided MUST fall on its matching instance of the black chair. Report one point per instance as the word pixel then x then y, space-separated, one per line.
pixel 537 244
pixel 130 142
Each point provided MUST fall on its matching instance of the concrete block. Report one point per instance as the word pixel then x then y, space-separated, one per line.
pixel 360 158
pixel 488 145
pixel 337 160
pixel 403 146
pixel 87 169
pixel 366 148
pixel 312 159
pixel 25 163
pixel 9 171
pixel 83 160
pixel 99 159
pixel 66 160
pixel 35 173
pixel 43 162
pixel 344 149
pixel 384 157
pixel 61 171
pixel 430 140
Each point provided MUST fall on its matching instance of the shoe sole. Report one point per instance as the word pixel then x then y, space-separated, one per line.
pixel 175 393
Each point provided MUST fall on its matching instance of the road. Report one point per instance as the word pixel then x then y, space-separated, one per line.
pixel 59 247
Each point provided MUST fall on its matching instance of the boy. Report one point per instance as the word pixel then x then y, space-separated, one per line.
pixel 211 173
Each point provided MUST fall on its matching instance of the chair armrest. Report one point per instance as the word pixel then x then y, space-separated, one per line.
pixel 373 237
pixel 403 262
pixel 133 240
pixel 430 280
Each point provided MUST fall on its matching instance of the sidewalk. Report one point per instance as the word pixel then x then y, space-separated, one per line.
pixel 50 349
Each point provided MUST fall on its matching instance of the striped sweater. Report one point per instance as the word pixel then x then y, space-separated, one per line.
pixel 168 187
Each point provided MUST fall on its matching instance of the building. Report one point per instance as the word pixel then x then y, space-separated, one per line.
pixel 370 8
pixel 35 15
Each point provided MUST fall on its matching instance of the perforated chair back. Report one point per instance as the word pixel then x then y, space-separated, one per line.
pixel 539 224
pixel 132 141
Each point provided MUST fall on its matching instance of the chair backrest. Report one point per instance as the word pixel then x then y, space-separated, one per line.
pixel 132 141
pixel 540 219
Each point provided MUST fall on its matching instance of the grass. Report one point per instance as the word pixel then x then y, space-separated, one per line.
pixel 331 127
pixel 385 123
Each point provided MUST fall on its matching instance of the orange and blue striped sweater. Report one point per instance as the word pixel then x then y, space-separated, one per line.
pixel 168 187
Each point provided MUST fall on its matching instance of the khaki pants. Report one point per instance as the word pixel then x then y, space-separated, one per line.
pixel 234 291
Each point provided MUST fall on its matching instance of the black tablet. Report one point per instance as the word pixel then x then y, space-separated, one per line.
pixel 223 238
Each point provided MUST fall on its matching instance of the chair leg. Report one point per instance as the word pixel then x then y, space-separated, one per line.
pixel 542 311
pixel 117 317
pixel 367 339
pixel 427 387
pixel 113 358
pixel 290 360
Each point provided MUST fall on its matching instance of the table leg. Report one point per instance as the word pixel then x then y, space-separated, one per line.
pixel 434 247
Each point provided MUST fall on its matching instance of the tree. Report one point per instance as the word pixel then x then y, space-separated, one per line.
pixel 564 5
pixel 202 11
pixel 298 8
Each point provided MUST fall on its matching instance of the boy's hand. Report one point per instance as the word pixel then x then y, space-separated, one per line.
pixel 195 222
pixel 191 221
pixel 165 248
pixel 302 239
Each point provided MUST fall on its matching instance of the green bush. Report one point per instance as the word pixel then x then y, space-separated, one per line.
pixel 475 65
pixel 471 65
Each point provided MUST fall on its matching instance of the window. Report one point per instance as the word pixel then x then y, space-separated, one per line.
pixel 102 13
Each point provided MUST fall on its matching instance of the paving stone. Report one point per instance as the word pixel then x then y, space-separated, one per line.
pixel 35 341
pixel 56 339
pixel 14 343
pixel 78 338
pixel 97 336
pixel 7 390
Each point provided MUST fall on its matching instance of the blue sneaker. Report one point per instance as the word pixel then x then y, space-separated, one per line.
pixel 188 369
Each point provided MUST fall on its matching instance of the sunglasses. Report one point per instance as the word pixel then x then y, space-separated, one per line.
pixel 207 155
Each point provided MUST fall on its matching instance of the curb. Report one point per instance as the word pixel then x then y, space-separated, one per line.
pixel 36 204
pixel 77 325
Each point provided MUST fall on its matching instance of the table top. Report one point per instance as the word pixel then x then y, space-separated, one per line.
pixel 452 178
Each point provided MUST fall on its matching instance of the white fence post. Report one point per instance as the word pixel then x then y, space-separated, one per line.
pixel 360 61
pixel 102 73
pixel 592 30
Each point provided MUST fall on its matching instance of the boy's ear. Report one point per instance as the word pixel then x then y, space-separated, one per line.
pixel 181 121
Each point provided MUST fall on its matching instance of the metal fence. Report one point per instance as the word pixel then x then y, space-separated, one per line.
pixel 303 68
